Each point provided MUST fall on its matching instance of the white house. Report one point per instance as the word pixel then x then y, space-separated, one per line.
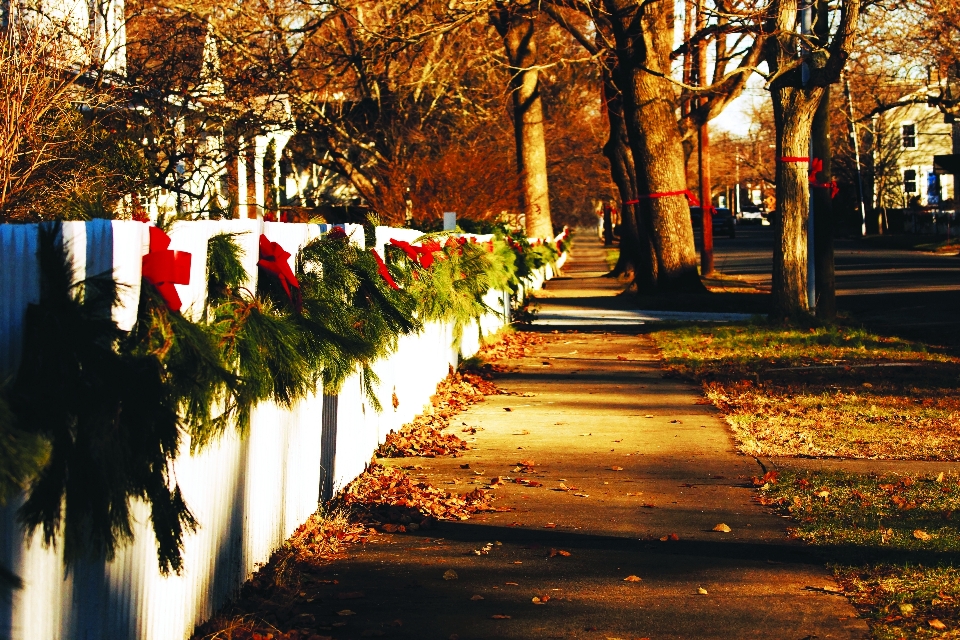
pixel 915 133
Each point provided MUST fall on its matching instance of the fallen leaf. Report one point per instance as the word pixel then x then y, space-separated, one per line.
pixel 500 616
pixel 512 584
pixel 825 589
pixel 476 597
pixel 701 591
pixel 936 624
pixel 632 579
pixel 940 477
pixel 507 409
pixel 537 600
pixel 616 468
pixel 582 495
pixel 559 552
pixel 920 534
pixel 722 528
pixel 621 358
pixel 906 607
pixel 670 537
pixel 550 525
pixel 649 415
pixel 346 612
pixel 450 574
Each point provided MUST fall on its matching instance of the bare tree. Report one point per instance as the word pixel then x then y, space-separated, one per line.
pixel 516 24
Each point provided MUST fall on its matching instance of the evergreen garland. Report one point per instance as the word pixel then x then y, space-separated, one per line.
pixel 122 399
pixel 22 454
pixel 354 316
pixel 112 428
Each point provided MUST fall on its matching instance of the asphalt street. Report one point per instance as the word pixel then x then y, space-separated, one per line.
pixel 911 293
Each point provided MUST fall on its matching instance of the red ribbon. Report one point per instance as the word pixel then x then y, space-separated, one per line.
pixel 816 167
pixel 164 268
pixel 384 272
pixel 422 255
pixel 795 159
pixel 692 199
pixel 274 259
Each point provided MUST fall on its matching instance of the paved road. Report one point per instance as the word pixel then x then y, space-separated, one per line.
pixel 911 293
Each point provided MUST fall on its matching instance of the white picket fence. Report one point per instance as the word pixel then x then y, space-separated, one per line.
pixel 250 494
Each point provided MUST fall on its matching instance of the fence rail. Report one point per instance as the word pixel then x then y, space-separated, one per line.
pixel 249 494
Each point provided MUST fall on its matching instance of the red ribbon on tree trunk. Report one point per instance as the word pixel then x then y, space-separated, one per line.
pixel 816 167
pixel 274 258
pixel 692 199
pixel 164 268
pixel 384 272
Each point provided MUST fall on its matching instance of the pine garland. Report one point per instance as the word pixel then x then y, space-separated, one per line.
pixel 110 419
pixel 123 399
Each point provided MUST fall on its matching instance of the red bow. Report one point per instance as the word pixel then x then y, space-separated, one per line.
pixel 384 272
pixel 816 166
pixel 422 255
pixel 274 259
pixel 164 268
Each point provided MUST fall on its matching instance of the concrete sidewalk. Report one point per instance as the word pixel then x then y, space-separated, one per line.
pixel 641 459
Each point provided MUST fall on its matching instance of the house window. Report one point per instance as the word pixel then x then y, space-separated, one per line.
pixel 909 136
pixel 910 181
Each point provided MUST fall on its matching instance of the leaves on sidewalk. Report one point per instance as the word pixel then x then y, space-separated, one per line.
pixel 424 436
pixel 387 495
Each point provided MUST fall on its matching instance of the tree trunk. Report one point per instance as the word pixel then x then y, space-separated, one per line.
pixel 793 110
pixel 823 218
pixel 796 92
pixel 823 222
pixel 637 256
pixel 644 36
pixel 517 30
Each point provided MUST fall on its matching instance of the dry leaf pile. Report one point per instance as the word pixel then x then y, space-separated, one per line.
pixel 389 498
pixel 511 347
pixel 424 436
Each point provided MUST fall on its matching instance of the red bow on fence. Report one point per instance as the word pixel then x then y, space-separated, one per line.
pixel 164 268
pixel 422 255
pixel 384 272
pixel 274 259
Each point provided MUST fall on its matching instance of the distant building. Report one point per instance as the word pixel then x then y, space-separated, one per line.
pixel 910 136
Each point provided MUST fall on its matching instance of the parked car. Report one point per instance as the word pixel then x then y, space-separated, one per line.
pixel 723 221
pixel 752 214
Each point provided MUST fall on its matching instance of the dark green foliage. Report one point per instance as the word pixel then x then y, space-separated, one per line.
pixel 192 364
pixel 225 272
pixel 455 284
pixel 258 337
pixel 353 315
pixel 110 418
pixel 22 454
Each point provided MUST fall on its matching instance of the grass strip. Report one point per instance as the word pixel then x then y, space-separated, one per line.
pixel 892 541
pixel 824 391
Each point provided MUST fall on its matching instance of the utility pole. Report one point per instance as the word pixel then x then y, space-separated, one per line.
pixel 856 155
pixel 703 157
pixel 736 193
pixel 806 22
